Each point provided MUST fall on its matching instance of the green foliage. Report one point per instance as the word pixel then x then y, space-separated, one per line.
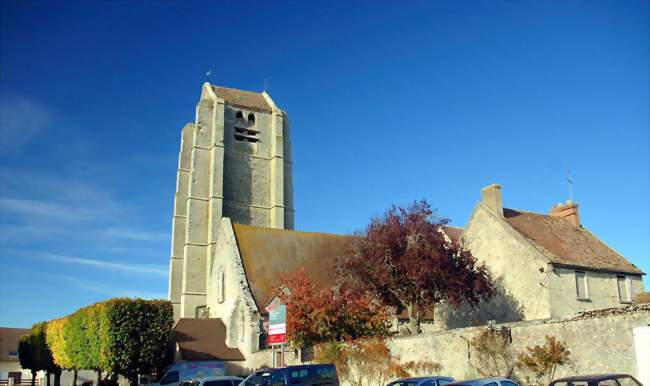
pixel 542 360
pixel 33 351
pixel 123 336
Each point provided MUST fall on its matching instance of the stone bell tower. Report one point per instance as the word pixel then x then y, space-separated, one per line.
pixel 235 161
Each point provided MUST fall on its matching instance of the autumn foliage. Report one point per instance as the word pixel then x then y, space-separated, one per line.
pixel 332 314
pixel 542 360
pixel 404 260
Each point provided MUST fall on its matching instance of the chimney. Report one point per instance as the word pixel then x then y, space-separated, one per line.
pixel 568 210
pixel 491 196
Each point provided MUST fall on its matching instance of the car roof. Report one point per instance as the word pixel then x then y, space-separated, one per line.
pixel 222 378
pixel 591 377
pixel 481 381
pixel 423 378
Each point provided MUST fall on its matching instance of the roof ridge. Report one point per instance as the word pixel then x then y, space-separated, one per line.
pixel 290 230
pixel 236 89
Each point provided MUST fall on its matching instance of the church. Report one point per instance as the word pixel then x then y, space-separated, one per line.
pixel 233 239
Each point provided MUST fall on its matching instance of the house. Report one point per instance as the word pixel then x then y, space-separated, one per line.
pixel 546 265
pixel 9 362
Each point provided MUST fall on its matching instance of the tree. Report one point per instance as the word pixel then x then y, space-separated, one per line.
pixel 35 355
pixel 331 314
pixel 493 353
pixel 543 360
pixel 405 261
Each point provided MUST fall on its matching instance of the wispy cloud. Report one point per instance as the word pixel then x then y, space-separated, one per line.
pixel 107 290
pixel 136 235
pixel 122 267
pixel 44 208
pixel 21 119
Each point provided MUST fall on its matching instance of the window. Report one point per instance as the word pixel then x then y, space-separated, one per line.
pixel 624 289
pixel 218 383
pixel 17 376
pixel 428 383
pixel 221 285
pixel 508 383
pixel 581 285
pixel 443 382
pixel 251 118
pixel 627 381
pixel 170 377
pixel 246 134
pixel 239 115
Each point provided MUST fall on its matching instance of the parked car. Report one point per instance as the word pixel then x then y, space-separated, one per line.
pixel 597 380
pixel 422 381
pixel 497 381
pixel 308 375
pixel 181 373
pixel 219 381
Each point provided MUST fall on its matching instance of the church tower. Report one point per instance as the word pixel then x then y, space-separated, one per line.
pixel 235 161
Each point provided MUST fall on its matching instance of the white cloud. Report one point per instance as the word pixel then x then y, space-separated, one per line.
pixel 108 290
pixel 44 208
pixel 21 119
pixel 122 267
pixel 135 235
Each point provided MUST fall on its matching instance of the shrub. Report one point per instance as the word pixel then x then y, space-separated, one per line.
pixel 493 353
pixel 543 360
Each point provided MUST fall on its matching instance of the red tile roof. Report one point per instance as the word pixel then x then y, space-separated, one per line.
pixel 565 245
pixel 9 338
pixel 246 99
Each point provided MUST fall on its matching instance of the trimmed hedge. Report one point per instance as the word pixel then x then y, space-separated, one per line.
pixel 121 336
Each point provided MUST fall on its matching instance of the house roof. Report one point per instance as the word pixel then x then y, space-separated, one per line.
pixel 565 245
pixel 9 338
pixel 268 254
pixel 246 99
pixel 204 339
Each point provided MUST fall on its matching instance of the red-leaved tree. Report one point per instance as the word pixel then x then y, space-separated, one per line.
pixel 332 314
pixel 404 260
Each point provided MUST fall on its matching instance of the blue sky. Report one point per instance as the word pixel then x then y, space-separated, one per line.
pixel 388 103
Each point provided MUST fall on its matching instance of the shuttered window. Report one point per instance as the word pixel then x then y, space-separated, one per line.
pixel 581 285
pixel 624 287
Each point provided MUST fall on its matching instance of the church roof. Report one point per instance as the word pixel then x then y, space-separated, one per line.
pixel 204 340
pixel 565 245
pixel 268 254
pixel 245 99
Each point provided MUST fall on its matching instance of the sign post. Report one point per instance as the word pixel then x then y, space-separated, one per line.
pixel 277 331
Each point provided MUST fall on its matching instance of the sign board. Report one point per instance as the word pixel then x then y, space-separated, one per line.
pixel 277 324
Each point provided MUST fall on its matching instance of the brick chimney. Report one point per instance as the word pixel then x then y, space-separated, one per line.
pixel 568 210
pixel 491 196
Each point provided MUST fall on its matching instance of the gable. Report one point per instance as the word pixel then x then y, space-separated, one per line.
pixel 565 245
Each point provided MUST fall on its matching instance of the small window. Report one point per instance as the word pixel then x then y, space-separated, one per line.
pixel 239 115
pixel 624 289
pixel 251 118
pixel 443 382
pixel 170 377
pixel 581 285
pixel 508 383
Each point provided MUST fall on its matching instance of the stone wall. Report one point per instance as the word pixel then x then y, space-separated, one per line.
pixel 600 341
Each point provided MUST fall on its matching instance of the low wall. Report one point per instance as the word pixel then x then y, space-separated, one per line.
pixel 600 341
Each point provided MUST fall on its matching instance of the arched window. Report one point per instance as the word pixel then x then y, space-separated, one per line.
pixel 221 286
pixel 251 118
pixel 239 115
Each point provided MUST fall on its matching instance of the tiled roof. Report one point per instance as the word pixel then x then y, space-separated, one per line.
pixel 9 338
pixel 203 340
pixel 268 254
pixel 246 99
pixel 565 245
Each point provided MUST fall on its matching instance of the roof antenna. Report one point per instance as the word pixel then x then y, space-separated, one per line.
pixel 568 178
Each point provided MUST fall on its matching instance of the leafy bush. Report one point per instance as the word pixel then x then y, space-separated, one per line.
pixel 493 353
pixel 542 360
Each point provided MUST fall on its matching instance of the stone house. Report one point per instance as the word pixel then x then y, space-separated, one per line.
pixel 546 265
pixel 233 237
pixel 9 362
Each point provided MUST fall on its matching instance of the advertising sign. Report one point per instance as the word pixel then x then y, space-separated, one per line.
pixel 277 324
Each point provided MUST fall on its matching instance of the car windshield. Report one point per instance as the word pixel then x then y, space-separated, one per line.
pixel 403 383
pixel 257 378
